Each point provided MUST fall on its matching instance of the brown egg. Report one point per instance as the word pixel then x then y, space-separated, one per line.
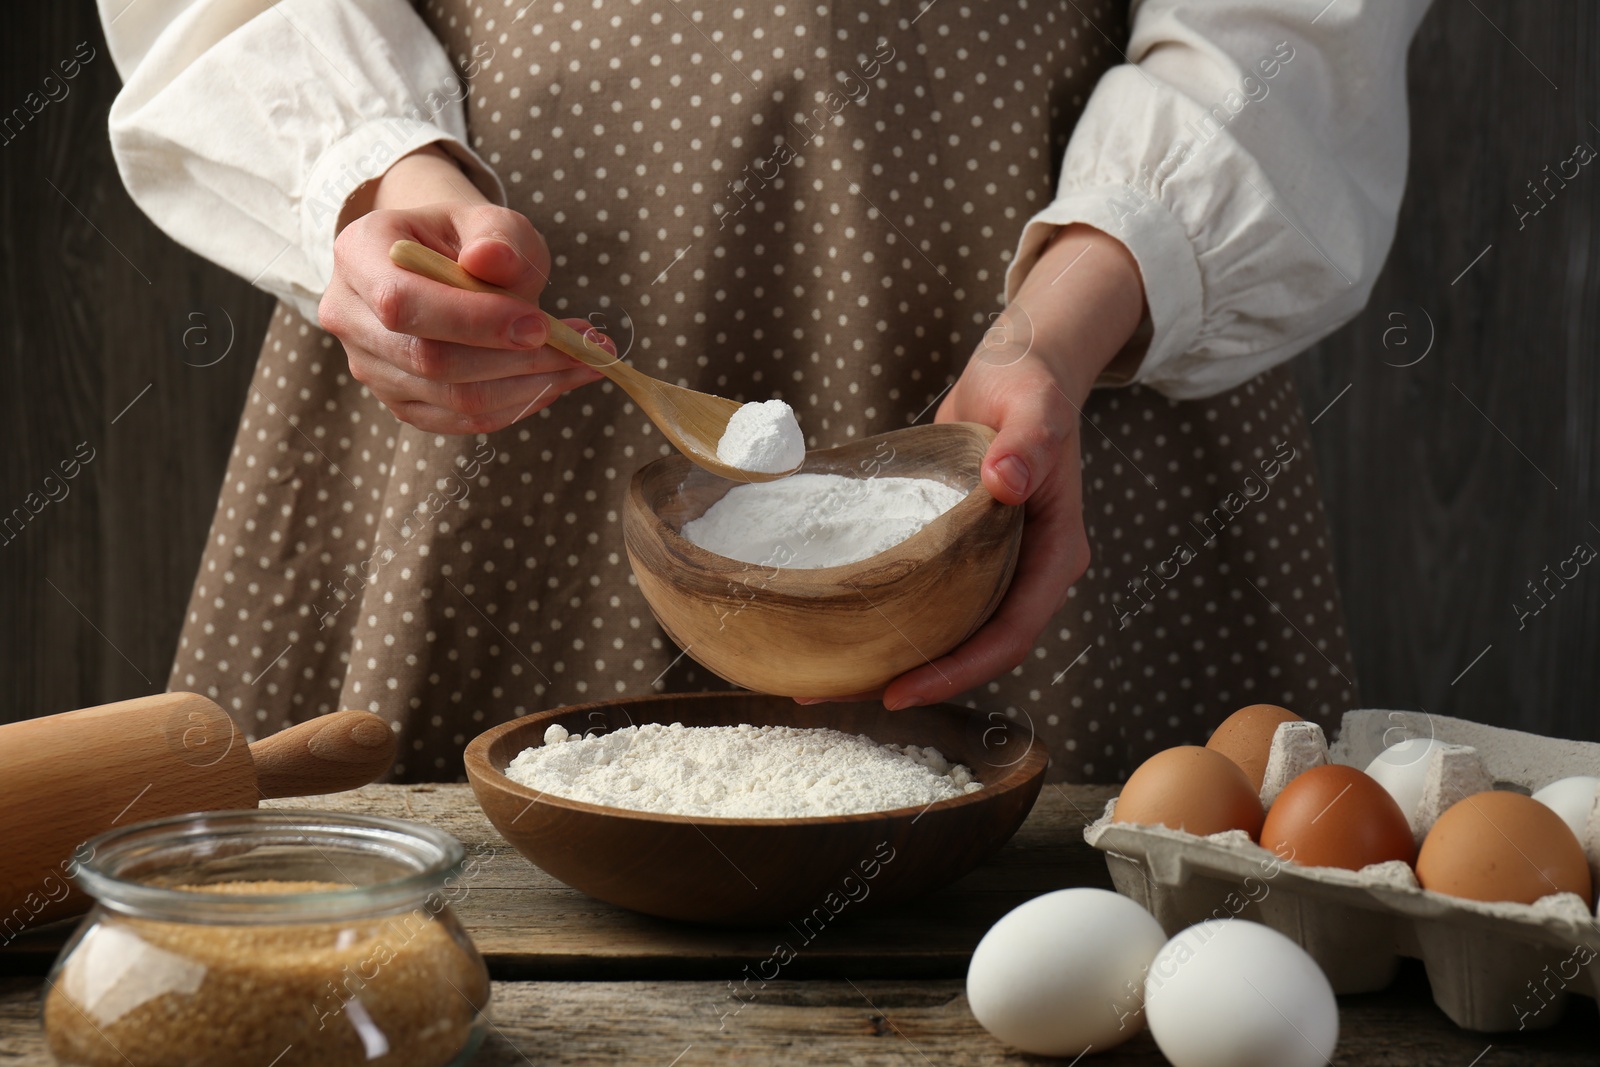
pixel 1502 846
pixel 1193 789
pixel 1246 738
pixel 1336 816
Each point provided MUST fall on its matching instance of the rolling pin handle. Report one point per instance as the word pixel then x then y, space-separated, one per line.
pixel 327 754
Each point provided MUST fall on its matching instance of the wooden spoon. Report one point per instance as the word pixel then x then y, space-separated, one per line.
pixel 693 422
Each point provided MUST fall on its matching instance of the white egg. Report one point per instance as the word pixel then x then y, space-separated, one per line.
pixel 1402 769
pixel 1061 974
pixel 1233 993
pixel 1572 799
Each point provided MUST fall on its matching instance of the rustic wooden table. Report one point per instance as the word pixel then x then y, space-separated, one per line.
pixel 581 982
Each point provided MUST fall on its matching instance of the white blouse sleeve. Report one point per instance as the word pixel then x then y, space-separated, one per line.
pixel 244 125
pixel 1251 155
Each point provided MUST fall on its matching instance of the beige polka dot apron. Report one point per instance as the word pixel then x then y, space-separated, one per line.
pixel 809 202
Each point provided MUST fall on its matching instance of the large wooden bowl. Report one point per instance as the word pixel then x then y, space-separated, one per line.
pixel 746 871
pixel 831 631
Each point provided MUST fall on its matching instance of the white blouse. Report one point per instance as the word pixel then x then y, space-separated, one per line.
pixel 1251 154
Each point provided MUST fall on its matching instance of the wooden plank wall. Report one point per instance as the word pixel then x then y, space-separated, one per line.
pixel 1452 482
pixel 97 303
pixel 1455 482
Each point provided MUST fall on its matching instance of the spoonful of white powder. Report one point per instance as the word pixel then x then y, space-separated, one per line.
pixel 763 437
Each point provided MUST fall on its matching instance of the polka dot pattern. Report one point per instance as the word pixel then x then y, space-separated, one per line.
pixel 810 202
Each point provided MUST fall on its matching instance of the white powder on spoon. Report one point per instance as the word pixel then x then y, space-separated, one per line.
pixel 819 520
pixel 763 437
pixel 738 772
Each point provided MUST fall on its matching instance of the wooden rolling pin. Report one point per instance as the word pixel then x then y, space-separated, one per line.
pixel 65 778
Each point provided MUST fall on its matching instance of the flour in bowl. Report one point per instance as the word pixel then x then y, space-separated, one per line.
pixel 819 520
pixel 738 772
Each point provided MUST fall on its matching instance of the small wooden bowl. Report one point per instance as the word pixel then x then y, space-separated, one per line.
pixel 832 631
pixel 737 872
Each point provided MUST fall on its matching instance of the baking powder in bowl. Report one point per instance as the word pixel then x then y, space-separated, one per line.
pixel 738 772
pixel 819 520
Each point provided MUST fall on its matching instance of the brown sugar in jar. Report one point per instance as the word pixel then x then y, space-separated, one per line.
pixel 227 968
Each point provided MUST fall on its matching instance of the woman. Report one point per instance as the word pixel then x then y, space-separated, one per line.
pixel 827 204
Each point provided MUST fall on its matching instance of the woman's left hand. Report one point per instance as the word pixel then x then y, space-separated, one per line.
pixel 1029 379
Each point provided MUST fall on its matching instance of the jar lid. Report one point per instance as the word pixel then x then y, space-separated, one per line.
pixel 158 869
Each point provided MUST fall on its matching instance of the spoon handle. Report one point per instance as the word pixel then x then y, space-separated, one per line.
pixel 420 259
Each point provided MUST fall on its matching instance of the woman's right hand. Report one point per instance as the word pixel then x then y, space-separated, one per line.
pixel 442 359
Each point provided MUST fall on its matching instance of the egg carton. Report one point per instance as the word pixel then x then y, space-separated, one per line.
pixel 1493 967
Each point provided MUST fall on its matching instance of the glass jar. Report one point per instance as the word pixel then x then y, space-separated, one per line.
pixel 271 938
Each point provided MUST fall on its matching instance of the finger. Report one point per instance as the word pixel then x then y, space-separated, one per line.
pixel 393 385
pixel 1033 428
pixel 501 244
pixel 421 307
pixel 434 419
pixel 446 364
pixel 402 302
pixel 503 248
pixel 437 361
pixel 592 333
